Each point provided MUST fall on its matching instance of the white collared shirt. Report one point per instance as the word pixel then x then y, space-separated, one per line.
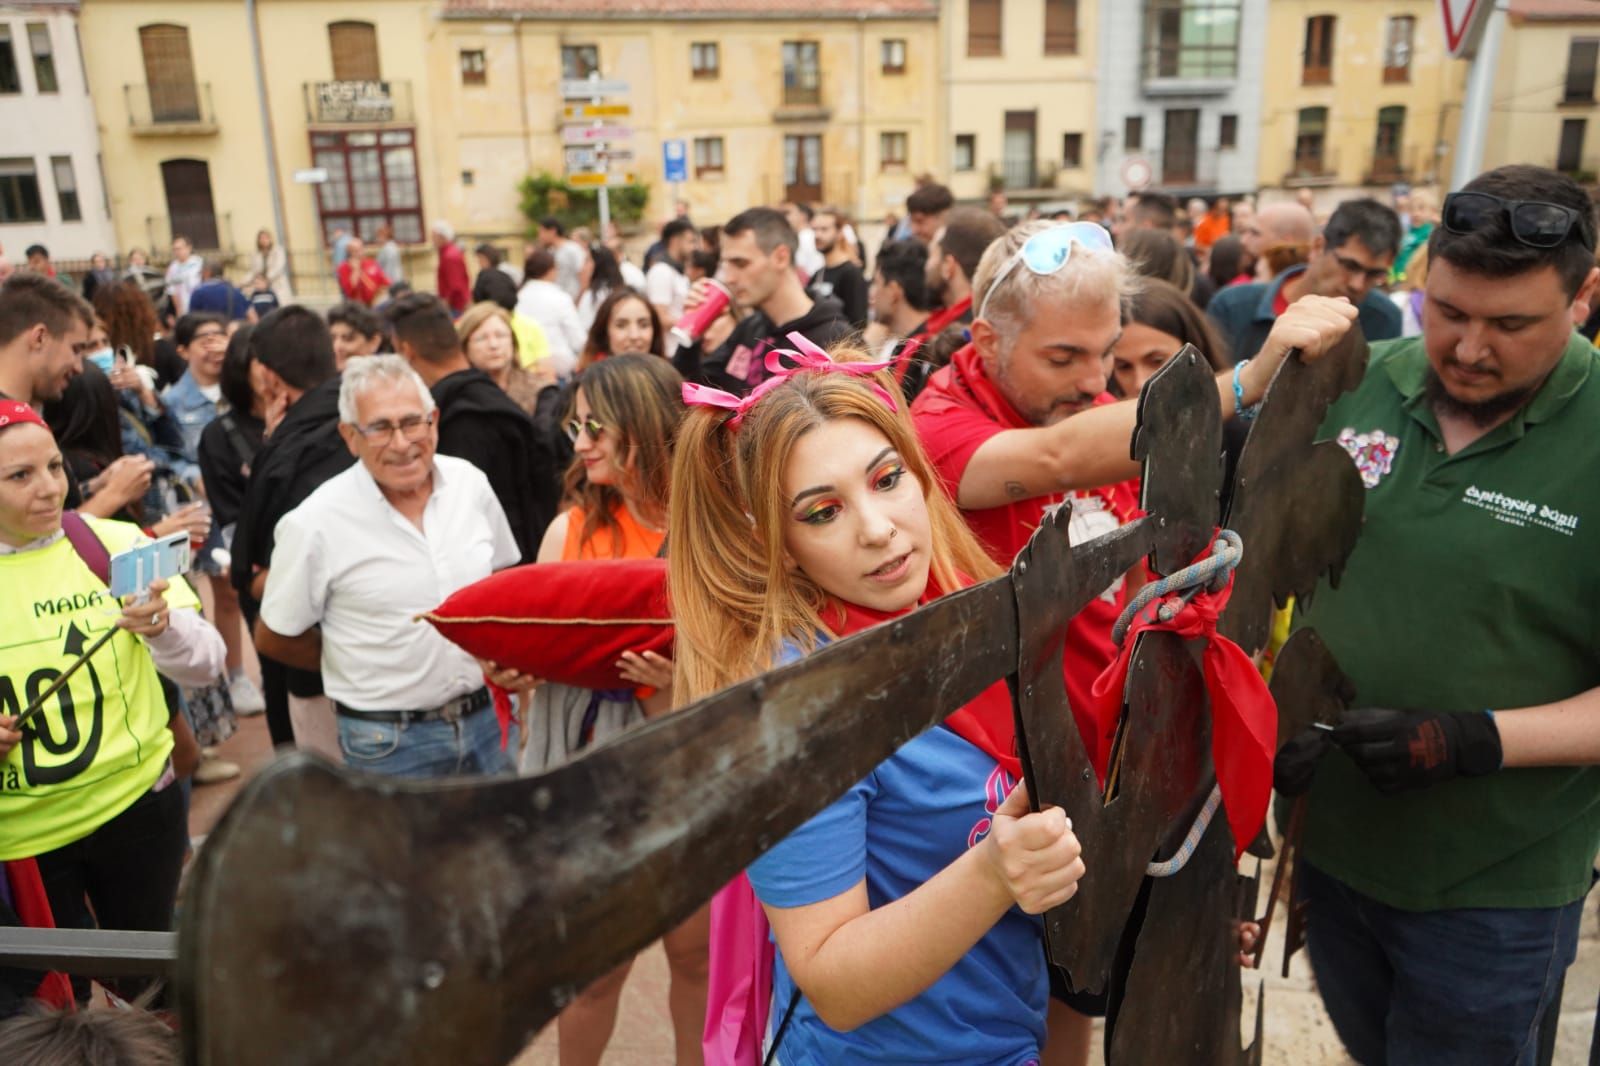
pixel 345 559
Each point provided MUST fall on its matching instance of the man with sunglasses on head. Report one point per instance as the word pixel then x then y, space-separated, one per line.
pixel 1453 815
pixel 1351 258
pixel 368 551
pixel 478 422
pixel 1020 422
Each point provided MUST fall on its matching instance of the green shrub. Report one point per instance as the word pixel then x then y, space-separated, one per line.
pixel 545 194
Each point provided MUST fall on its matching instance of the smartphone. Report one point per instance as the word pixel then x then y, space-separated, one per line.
pixel 133 570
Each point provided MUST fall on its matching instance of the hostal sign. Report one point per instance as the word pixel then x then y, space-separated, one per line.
pixel 354 101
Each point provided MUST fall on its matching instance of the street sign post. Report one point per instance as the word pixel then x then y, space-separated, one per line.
pixel 599 181
pixel 595 134
pixel 1463 24
pixel 580 112
pixel 589 88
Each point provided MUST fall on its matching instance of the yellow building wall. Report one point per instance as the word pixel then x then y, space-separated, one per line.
pixel 1528 113
pixel 1357 91
pixel 294 41
pixel 490 135
pixel 1060 89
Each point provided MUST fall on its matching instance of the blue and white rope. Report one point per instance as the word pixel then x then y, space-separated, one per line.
pixel 1209 573
pixel 1185 851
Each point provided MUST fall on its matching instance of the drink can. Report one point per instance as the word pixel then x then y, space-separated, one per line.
pixel 692 326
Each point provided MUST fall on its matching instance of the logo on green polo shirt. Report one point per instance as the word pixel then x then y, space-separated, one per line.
pixel 1517 512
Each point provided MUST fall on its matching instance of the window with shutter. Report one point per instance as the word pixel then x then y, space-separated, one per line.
pixel 190 210
pixel 1580 71
pixel 1060 27
pixel 44 59
pixel 66 188
pixel 1318 68
pixel 1397 49
pixel 355 51
pixel 169 73
pixel 983 27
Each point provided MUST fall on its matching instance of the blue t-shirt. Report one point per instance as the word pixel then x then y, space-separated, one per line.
pixel 897 827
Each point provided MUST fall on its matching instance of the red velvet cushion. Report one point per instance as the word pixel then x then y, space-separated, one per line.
pixel 564 622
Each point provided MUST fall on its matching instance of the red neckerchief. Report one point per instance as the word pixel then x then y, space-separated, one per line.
pixel 934 326
pixel 988 723
pixel 1244 718
pixel 25 888
pixel 1121 499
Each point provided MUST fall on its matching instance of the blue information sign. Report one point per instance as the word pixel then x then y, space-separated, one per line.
pixel 675 161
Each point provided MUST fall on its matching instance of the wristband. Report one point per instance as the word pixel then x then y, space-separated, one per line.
pixel 1240 411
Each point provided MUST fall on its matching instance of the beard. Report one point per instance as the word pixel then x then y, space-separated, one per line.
pixel 1480 413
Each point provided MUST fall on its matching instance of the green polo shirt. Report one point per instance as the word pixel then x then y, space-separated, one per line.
pixel 1474 585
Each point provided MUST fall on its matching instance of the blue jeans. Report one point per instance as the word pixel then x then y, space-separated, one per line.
pixel 436 748
pixel 1465 987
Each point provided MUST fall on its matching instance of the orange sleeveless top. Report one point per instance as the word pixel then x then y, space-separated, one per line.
pixel 637 541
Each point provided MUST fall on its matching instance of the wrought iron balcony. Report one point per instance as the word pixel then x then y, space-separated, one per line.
pixel 170 109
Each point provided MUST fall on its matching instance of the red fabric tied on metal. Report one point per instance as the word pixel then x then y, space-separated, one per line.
pixel 25 888
pixel 1244 718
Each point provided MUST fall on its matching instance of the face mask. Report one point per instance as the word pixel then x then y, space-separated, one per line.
pixel 102 358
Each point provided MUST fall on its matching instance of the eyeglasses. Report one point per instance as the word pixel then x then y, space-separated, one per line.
pixel 577 428
pixel 1533 222
pixel 413 428
pixel 208 335
pixel 1373 275
pixel 1048 251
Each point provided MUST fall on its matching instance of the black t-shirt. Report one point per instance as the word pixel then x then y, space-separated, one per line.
pixel 847 284
pixel 478 422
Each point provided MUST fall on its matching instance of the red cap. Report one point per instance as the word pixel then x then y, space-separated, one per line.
pixel 13 413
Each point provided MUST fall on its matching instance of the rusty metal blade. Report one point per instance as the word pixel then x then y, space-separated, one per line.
pixel 1297 504
pixel 335 917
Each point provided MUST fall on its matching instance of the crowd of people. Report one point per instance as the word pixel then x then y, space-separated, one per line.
pixel 818 439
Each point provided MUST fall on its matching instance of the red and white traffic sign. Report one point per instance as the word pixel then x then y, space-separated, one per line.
pixel 1463 24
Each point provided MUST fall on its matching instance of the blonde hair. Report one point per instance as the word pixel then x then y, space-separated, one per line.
pixel 734 601
pixel 1087 277
pixel 475 316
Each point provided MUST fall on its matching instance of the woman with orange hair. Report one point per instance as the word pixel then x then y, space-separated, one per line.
pixel 903 913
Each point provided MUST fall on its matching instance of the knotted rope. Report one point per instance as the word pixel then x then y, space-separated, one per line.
pixel 1173 593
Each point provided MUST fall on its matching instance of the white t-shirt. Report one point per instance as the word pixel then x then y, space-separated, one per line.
pixel 666 286
pixel 345 559
pixel 549 305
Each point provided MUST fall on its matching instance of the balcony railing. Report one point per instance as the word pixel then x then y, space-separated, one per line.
pixel 358 103
pixel 1185 171
pixel 211 233
pixel 170 109
pixel 1308 168
pixel 1386 168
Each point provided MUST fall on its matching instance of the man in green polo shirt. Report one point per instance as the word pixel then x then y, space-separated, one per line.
pixel 1453 824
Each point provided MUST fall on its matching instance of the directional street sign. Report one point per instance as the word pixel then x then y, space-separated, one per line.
pixel 617 155
pixel 578 112
pixel 580 88
pixel 592 181
pixel 595 134
pixel 675 161
pixel 581 159
pixel 311 176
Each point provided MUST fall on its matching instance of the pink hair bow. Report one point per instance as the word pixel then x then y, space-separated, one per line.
pixel 803 356
pixel 808 356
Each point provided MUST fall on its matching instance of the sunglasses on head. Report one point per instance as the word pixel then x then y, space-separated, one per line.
pixel 1533 222
pixel 1049 250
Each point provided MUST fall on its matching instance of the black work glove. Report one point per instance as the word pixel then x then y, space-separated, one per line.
pixel 1296 763
pixel 1400 750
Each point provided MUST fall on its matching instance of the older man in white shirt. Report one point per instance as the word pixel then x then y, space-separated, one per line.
pixel 366 553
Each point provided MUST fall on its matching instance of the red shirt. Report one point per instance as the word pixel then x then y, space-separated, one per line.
pixel 361 282
pixel 955 414
pixel 451 280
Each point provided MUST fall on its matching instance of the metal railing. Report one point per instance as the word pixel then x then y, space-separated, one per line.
pixel 1307 168
pixel 170 109
pixel 159 231
pixel 341 103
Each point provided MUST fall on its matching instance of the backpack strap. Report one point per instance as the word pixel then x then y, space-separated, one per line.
pixel 87 545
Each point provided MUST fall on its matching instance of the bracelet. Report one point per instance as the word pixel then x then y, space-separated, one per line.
pixel 1240 411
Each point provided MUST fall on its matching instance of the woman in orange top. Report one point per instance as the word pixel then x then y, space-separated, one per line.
pixel 624 421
